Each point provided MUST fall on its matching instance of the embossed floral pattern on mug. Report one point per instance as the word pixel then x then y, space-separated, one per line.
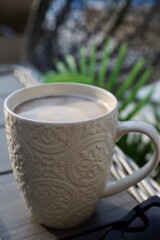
pixel 66 178
pixel 49 139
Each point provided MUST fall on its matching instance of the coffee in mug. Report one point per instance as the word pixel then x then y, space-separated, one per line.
pixel 62 108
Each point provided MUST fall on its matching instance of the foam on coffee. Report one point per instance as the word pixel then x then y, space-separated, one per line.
pixel 61 109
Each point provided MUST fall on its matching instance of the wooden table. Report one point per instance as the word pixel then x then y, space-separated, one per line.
pixel 15 221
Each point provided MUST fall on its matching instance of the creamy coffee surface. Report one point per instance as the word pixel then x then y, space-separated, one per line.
pixel 61 109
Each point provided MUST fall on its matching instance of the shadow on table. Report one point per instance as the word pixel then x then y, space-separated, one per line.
pixel 4 233
pixel 104 216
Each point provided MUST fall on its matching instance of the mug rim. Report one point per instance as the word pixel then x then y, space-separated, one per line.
pixel 12 95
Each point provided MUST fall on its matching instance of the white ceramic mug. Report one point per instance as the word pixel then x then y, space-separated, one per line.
pixel 62 168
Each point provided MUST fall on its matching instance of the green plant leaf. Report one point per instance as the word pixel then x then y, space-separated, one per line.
pixel 83 61
pixel 112 79
pixel 139 105
pixel 68 77
pixel 103 64
pixel 92 62
pixel 130 78
pixel 156 112
pixel 47 77
pixel 132 94
pixel 71 63
pixel 60 67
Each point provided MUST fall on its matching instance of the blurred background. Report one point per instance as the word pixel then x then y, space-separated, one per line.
pixel 13 19
pixel 65 25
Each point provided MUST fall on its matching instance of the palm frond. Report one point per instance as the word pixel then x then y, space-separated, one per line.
pixel 139 105
pixel 83 61
pixel 132 93
pixel 113 78
pixel 71 63
pixel 103 65
pixel 92 62
pixel 61 67
pixel 131 78
pixel 66 77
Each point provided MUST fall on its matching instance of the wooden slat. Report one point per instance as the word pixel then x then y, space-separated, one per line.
pixel 94 235
pixel 1 111
pixel 5 164
pixel 8 84
pixel 16 224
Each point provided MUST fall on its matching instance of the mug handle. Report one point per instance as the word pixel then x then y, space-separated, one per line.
pixel 130 180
